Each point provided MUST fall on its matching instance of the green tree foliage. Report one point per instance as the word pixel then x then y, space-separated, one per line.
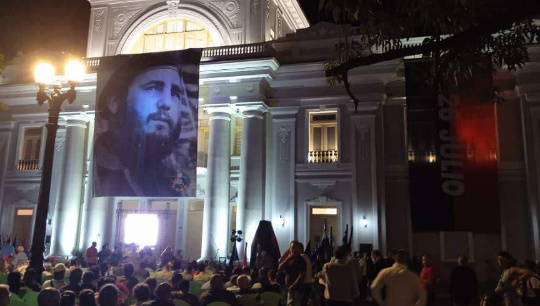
pixel 459 35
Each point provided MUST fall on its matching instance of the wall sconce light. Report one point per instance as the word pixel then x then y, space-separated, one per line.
pixel 364 222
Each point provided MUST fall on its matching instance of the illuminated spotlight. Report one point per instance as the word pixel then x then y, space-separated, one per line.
pixel 364 222
pixel 141 235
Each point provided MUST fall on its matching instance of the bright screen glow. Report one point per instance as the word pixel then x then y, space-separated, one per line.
pixel 141 229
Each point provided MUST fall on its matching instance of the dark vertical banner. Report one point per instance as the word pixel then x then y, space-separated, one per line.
pixel 431 209
pixel 146 125
pixel 452 155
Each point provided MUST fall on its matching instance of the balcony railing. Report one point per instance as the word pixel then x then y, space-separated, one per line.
pixel 323 157
pixel 28 164
pixel 256 50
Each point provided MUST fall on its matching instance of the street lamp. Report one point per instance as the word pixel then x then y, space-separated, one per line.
pixel 45 76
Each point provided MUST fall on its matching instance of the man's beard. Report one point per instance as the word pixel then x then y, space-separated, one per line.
pixel 145 152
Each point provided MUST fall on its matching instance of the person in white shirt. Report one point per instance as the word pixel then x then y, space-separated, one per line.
pixel 403 287
pixel 340 281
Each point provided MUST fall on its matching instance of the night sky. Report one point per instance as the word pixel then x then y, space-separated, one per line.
pixel 61 25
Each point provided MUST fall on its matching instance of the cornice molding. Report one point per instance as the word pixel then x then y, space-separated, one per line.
pixel 295 14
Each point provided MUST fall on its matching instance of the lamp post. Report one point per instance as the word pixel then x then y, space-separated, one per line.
pixel 44 75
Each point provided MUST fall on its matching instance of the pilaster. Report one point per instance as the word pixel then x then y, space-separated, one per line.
pixel 365 181
pixel 283 181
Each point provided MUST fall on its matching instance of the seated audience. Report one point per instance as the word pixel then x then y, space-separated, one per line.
pixel 182 293
pixel 108 295
pixel 4 294
pixel 15 284
pixel 29 280
pixel 87 297
pixel 217 293
pixel 264 283
pixel 165 272
pixel 74 280
pixel 58 277
pixel 19 259
pixel 152 284
pixel 201 275
pixel 128 279
pixel 49 297
pixel 67 298
pixel 74 263
pixel 141 271
pixel 87 281
pixel 163 296
pixel 141 293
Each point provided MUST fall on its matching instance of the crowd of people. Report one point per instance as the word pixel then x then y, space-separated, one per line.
pixel 132 276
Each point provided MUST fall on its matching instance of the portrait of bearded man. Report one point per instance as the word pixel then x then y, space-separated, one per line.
pixel 146 125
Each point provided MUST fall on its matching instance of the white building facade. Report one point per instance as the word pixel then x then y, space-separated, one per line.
pixel 276 142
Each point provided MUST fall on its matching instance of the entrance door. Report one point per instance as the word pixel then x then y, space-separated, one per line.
pixel 22 226
pixel 318 215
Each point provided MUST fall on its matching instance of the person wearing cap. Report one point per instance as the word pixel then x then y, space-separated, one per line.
pixel 58 277
pixel 144 110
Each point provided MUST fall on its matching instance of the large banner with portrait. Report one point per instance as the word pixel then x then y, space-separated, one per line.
pixel 146 125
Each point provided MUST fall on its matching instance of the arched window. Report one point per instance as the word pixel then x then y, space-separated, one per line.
pixel 173 34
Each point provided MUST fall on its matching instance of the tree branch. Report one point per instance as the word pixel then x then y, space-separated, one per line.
pixel 348 89
pixel 496 23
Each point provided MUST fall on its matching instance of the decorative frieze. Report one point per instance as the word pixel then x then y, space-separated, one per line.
pixel 98 19
pixel 364 142
pixel 230 8
pixel 121 19
pixel 284 144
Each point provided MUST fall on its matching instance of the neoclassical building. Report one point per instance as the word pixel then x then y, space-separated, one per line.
pixel 276 142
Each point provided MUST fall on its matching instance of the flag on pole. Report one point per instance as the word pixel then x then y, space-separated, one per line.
pixel 234 256
pixel 345 235
pixel 331 249
pixel 244 260
pixel 350 239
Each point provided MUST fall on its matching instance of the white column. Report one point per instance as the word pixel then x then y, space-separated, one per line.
pixel 100 222
pixel 250 207
pixel 181 225
pixel 67 210
pixel 216 202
